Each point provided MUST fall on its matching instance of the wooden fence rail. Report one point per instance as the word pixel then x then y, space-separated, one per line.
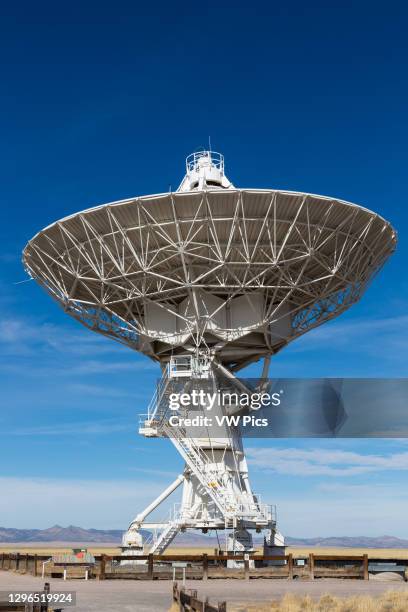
pixel 188 601
pixel 202 567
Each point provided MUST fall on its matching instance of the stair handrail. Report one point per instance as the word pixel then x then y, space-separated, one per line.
pixel 205 477
pixel 158 394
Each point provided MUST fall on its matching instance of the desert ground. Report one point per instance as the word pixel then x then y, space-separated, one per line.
pixel 155 596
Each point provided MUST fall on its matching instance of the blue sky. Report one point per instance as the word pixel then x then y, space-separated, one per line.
pixel 103 102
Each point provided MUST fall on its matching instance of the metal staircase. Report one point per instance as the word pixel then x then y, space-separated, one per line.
pixel 165 538
pixel 153 410
pixel 197 460
pixel 200 465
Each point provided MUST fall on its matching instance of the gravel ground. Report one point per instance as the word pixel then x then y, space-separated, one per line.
pixel 155 596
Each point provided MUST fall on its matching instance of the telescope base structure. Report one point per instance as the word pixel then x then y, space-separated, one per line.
pixel 216 491
pixel 197 511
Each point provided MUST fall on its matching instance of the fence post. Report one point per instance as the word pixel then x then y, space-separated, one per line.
pixel 26 563
pixel 246 568
pixel 365 567
pixel 2 560
pixel 44 605
pixel 182 598
pixel 102 571
pixel 150 567
pixel 205 567
pixel 17 561
pixel 290 567
pixel 35 565
pixel 311 566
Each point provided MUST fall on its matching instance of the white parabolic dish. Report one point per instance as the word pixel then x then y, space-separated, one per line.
pixel 242 271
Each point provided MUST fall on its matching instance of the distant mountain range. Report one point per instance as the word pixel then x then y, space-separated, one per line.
pixel 60 534
pixel 114 536
pixel 350 542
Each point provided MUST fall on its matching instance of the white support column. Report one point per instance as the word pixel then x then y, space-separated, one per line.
pixel 142 515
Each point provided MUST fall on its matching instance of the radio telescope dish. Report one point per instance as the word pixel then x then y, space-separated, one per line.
pixel 211 276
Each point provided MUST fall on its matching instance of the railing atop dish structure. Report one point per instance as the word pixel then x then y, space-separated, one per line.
pixel 216 159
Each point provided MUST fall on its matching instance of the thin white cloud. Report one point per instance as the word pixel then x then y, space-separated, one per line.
pixel 154 472
pixel 360 332
pixel 64 352
pixel 324 462
pixel 102 367
pixel 71 369
pixel 98 390
pixel 19 335
pixel 343 512
pixel 40 502
pixel 75 429
pixel 357 491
